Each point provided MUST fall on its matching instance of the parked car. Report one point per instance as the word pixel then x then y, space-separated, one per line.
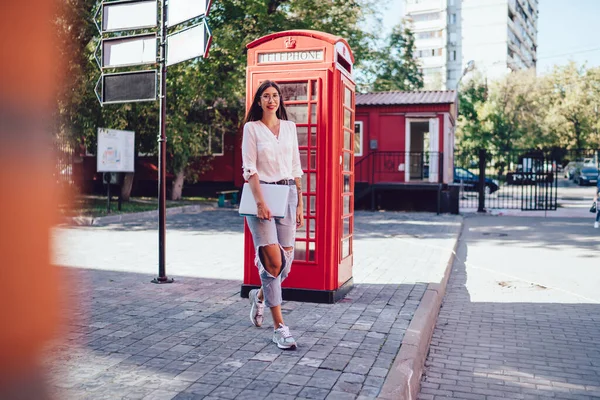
pixel 570 169
pixel 470 181
pixel 586 176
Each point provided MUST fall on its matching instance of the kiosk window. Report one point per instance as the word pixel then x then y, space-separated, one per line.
pixel 302 105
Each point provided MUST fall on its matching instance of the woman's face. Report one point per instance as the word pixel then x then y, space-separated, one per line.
pixel 269 101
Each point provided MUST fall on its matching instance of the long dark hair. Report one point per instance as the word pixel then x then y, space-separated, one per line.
pixel 255 112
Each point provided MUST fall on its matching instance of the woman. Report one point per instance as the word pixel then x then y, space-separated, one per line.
pixel 270 155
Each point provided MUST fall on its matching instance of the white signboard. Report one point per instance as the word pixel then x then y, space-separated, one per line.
pixel 133 50
pixel 183 10
pixel 187 44
pixel 127 15
pixel 115 151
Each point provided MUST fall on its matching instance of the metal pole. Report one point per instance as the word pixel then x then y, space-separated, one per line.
pixel 481 205
pixel 162 150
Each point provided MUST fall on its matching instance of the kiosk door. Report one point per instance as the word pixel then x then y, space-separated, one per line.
pixel 347 182
pixel 302 103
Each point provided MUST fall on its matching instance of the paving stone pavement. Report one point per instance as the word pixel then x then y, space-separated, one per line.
pixel 521 315
pixel 125 338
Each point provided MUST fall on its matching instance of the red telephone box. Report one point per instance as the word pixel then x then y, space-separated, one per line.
pixel 314 71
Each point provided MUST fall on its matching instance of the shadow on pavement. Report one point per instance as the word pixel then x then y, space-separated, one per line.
pixel 509 348
pixel 124 337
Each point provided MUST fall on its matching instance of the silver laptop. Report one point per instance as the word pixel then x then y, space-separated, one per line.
pixel 276 197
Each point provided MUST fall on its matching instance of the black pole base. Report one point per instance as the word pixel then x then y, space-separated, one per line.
pixel 163 279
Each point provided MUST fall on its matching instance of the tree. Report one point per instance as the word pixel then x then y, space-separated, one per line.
pixel 395 67
pixel 203 96
pixel 572 110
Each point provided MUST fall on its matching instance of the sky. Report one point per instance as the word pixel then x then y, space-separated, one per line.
pixel 567 30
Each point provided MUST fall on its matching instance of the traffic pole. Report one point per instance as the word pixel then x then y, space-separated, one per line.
pixel 162 151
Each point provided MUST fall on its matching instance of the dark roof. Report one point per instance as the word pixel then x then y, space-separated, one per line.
pixel 399 98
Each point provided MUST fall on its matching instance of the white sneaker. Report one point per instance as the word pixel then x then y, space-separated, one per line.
pixel 596 224
pixel 283 338
pixel 258 308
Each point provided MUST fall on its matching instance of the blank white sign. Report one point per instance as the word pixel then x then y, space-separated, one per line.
pixel 186 44
pixel 129 15
pixel 115 151
pixel 179 11
pixel 129 51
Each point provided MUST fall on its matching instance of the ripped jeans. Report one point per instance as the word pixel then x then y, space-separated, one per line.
pixel 281 231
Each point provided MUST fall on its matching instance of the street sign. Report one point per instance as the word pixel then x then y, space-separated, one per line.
pixel 188 43
pixel 115 150
pixel 179 11
pixel 130 50
pixel 127 87
pixel 128 15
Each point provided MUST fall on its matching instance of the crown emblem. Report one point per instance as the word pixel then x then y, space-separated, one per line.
pixel 290 43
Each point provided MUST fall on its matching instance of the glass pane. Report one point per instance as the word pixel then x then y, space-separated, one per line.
pixel 304 159
pixel 346 183
pixel 294 91
pixel 305 204
pixel 302 135
pixel 301 232
pixel 346 228
pixel 313 182
pixel 346 204
pixel 346 161
pixel 313 136
pixel 313 205
pixel 304 185
pixel 311 228
pixel 314 90
pixel 313 113
pixel 345 248
pixel 313 159
pixel 300 251
pixel 297 113
pixel 357 139
pixel 347 118
pixel 311 251
pixel 347 136
pixel 347 97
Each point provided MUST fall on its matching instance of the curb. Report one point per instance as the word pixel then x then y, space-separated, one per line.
pixel 404 379
pixel 128 217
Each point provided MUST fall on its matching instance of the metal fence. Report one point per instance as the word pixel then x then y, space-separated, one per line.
pixel 400 166
pixel 63 151
pixel 517 179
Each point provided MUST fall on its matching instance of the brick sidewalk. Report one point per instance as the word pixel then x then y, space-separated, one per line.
pixel 521 319
pixel 127 338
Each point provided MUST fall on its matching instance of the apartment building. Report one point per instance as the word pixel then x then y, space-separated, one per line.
pixel 499 35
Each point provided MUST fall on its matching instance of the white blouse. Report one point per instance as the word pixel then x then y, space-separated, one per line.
pixel 272 158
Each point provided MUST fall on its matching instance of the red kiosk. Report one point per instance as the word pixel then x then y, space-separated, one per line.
pixel 314 71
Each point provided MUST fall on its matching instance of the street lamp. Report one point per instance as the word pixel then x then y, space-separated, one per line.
pixel 470 67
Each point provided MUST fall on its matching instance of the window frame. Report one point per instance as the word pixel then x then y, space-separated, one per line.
pixel 210 136
pixel 361 134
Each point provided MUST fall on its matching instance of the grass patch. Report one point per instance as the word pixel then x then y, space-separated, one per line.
pixel 96 206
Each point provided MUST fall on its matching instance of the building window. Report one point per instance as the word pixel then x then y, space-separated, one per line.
pixel 453 55
pixel 215 143
pixel 428 53
pixel 358 138
pixel 428 34
pixel 451 2
pixel 432 16
pixel 452 19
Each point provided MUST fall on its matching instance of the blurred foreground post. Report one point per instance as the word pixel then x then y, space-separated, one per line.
pixel 29 194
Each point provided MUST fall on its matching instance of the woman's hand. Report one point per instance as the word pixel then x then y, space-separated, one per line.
pixel 299 216
pixel 262 211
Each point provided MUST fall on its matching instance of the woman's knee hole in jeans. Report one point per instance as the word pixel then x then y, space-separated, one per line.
pixel 271 258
